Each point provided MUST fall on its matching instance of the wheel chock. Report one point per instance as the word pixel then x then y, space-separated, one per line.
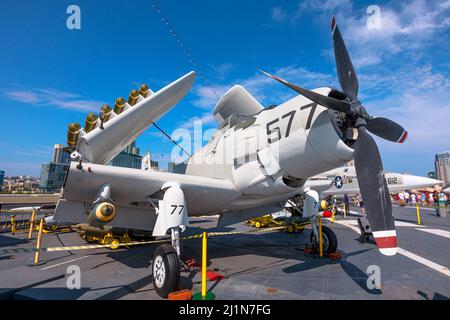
pixel 191 263
pixel 335 255
pixel 180 295
pixel 308 250
pixel 214 276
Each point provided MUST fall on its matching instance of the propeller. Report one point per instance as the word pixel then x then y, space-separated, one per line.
pixel 369 168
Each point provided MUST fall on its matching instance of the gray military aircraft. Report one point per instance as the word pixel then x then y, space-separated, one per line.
pixel 258 159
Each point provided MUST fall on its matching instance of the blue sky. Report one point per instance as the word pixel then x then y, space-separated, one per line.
pixel 51 76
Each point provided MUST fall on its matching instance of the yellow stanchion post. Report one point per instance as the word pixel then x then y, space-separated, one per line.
pixel 344 210
pixel 333 210
pixel 13 224
pixel 320 238
pixel 204 263
pixel 418 213
pixel 204 295
pixel 33 217
pixel 38 243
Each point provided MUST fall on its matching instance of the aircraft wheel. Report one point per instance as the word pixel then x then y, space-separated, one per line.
pixel 329 239
pixel 290 229
pixel 113 243
pixel 165 270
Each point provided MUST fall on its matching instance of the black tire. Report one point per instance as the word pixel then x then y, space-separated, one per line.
pixel 165 270
pixel 330 242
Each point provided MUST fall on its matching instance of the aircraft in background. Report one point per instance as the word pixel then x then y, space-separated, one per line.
pixel 396 182
pixel 257 160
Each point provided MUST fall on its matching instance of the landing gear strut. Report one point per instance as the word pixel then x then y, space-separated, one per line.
pixel 329 239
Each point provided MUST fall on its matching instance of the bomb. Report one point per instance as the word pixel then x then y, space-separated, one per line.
pixel 101 214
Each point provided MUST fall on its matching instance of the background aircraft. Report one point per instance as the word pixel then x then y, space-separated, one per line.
pixel 396 182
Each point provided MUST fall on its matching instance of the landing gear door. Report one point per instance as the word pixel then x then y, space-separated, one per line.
pixel 172 211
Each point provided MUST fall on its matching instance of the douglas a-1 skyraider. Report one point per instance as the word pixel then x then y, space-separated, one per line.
pixel 258 159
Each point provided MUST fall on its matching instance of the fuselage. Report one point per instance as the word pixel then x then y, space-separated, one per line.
pixel 270 156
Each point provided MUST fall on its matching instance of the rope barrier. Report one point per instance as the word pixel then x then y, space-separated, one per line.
pixel 135 243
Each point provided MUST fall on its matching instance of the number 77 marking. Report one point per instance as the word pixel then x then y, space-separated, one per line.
pixel 313 107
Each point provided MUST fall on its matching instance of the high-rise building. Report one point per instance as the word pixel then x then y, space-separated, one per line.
pixel 170 166
pixel 59 155
pixel 128 158
pixel 54 173
pixel 2 176
pixel 442 166
pixel 52 176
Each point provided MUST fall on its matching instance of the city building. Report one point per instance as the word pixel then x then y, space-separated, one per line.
pixel 442 166
pixel 2 176
pixel 54 173
pixel 20 184
pixel 128 158
pixel 170 166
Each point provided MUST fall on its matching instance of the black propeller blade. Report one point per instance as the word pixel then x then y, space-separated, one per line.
pixel 369 167
pixel 374 192
pixel 345 71
pixel 331 103
pixel 387 129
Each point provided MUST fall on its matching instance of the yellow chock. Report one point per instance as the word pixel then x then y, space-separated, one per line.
pixel 320 238
pixel 32 219
pixel 418 214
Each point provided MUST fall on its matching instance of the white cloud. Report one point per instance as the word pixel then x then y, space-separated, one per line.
pixel 53 97
pixel 263 88
pixel 204 120
pixel 222 70
pixel 279 14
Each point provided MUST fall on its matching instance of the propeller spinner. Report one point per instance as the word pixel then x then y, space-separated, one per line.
pixel 369 167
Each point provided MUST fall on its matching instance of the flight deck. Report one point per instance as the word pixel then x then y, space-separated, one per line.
pixel 267 265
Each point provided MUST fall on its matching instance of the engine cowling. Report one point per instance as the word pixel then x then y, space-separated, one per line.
pixel 101 214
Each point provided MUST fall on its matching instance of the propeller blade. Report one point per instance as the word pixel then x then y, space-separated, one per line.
pixel 331 103
pixel 345 71
pixel 387 129
pixel 374 192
